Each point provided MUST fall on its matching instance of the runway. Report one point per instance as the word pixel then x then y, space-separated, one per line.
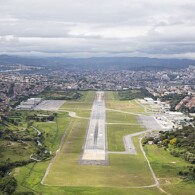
pixel 95 144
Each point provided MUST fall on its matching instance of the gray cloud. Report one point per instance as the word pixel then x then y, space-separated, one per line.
pixel 87 28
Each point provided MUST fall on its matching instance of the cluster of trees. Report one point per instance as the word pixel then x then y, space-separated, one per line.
pixel 41 150
pixel 131 94
pixel 14 121
pixel 180 142
pixel 67 95
pixel 38 118
pixel 7 134
pixel 50 94
pixel 42 153
pixel 53 94
pixel 5 167
pixel 185 109
pixel 173 99
pixel 188 173
pixel 8 183
pixel 18 99
pixel 23 193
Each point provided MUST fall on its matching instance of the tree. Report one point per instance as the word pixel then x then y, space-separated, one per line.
pixel 29 124
pixel 8 184
pixel 173 141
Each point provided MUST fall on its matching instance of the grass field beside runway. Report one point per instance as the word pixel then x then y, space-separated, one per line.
pixel 112 102
pixel 166 168
pixel 128 170
pixel 76 106
pixel 115 135
pixel 30 176
pixel 123 172
pixel 119 117
pixel 128 106
pixel 84 103
pixel 168 178
pixel 53 130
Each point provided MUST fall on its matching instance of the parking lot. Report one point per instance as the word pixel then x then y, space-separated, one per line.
pixel 50 105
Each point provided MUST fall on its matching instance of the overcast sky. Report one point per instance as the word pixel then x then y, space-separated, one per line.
pixel 86 28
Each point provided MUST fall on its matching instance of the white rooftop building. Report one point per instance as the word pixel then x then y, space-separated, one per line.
pixel 29 104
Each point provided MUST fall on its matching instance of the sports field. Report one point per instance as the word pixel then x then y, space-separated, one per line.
pixel 125 174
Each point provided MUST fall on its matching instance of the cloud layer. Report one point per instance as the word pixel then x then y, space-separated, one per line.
pixel 85 28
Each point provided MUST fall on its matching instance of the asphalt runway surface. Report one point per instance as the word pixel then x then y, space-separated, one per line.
pixel 95 144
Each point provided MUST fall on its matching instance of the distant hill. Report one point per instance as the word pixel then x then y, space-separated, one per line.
pixel 107 63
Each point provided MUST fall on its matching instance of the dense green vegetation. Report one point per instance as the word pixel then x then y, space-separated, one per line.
pixel 54 94
pixel 180 143
pixel 21 143
pixel 188 173
pixel 173 99
pixel 41 118
pixel 27 137
pixel 50 94
pixel 8 185
pixel 18 120
pixel 185 109
pixel 131 94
